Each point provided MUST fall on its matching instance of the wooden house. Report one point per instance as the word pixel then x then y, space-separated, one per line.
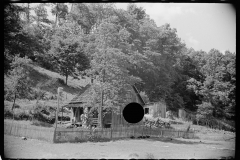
pixel 77 106
pixel 155 109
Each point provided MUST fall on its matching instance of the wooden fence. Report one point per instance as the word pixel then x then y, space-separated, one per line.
pixel 60 135
pixel 35 132
pixel 82 135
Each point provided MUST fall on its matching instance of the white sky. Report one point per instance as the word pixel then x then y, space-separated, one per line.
pixel 202 26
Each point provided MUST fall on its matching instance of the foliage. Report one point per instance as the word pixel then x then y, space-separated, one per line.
pixel 218 85
pixel 118 48
pixel 16 84
pixel 205 111
pixel 18 37
pixel 60 10
pixel 38 94
pixel 67 52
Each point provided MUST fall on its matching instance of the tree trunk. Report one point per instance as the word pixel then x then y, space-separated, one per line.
pixel 14 104
pixel 66 78
pixel 71 8
pixel 56 19
pixel 28 12
pixel 100 108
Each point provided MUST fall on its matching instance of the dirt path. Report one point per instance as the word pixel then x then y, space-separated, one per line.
pixel 15 147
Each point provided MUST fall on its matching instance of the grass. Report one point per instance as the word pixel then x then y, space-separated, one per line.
pixel 42 124
pixel 50 81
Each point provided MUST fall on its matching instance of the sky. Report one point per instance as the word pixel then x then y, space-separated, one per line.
pixel 202 26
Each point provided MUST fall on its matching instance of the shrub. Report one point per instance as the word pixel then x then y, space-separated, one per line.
pixel 8 113
pixel 42 113
pixel 61 81
pixel 38 94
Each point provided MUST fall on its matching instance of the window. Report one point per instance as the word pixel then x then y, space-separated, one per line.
pixel 146 110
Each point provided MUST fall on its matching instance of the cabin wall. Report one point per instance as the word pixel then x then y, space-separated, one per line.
pixel 118 119
pixel 157 109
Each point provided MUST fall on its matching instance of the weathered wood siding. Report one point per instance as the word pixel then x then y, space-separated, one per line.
pixel 157 109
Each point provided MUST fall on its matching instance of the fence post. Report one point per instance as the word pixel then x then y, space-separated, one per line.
pixel 111 133
pixel 134 131
pixel 54 135
pixel 150 130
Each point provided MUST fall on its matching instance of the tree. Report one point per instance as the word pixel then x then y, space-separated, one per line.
pixel 17 83
pixel 60 10
pixel 138 12
pixel 67 52
pixel 12 28
pixel 216 87
pixel 109 66
pixel 205 112
pixel 41 14
pixel 18 37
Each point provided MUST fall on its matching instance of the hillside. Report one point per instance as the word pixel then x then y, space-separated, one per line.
pixel 49 81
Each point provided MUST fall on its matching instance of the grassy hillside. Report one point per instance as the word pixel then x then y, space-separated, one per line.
pixel 49 81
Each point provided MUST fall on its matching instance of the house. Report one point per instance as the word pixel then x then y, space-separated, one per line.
pixel 155 109
pixel 78 104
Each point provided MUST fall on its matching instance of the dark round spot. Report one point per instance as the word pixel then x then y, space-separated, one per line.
pixel 133 112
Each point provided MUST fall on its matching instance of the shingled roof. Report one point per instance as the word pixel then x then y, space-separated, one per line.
pixel 85 91
pixel 79 98
pixel 138 95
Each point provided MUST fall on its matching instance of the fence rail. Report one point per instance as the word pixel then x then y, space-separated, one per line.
pixel 81 135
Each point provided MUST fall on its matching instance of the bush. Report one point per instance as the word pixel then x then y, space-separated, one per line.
pixel 38 94
pixel 8 113
pixel 46 114
pixel 20 114
pixel 42 113
pixel 61 81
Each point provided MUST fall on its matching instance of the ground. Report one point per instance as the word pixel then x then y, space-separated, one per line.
pixel 15 147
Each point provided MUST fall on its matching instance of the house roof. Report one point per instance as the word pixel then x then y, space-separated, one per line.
pixel 81 97
pixel 138 95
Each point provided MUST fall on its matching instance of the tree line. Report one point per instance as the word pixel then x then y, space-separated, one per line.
pixel 119 47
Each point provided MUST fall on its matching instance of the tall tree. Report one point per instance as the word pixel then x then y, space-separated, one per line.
pixel 67 52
